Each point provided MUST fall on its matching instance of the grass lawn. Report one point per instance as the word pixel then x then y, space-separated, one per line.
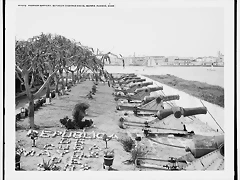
pixel 204 91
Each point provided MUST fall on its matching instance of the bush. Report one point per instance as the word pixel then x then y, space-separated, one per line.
pixel 49 166
pixel 79 112
pixel 127 143
pixel 137 152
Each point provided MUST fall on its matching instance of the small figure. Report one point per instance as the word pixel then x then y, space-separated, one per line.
pixel 33 135
pixel 123 64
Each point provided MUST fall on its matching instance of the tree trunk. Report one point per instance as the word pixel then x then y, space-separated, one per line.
pixel 66 79
pixel 30 99
pixel 73 79
pixel 56 86
pixel 21 89
pixel 62 83
pixel 48 91
pixel 77 77
pixel 31 112
pixel 48 97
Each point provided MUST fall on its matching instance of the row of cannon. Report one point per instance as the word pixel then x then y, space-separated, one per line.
pixel 137 92
pixel 139 99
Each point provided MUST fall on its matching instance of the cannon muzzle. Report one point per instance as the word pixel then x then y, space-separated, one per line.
pixel 121 123
pixel 160 98
pixel 203 145
pixel 149 89
pixel 179 111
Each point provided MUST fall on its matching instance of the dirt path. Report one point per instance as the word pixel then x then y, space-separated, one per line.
pixel 103 112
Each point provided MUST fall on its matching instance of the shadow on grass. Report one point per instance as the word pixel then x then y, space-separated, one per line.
pixel 19 127
pixel 38 127
pixel 21 169
pixel 41 127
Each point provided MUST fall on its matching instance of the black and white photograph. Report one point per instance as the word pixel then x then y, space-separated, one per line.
pixel 123 86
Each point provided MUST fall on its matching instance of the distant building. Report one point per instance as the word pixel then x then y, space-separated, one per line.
pixel 151 62
pixel 137 61
pixel 127 60
pixel 114 61
pixel 199 59
pixel 171 59
pixel 209 59
pixel 182 61
pixel 158 59
pixel 220 57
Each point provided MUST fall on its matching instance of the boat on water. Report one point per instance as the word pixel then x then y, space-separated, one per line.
pixel 212 68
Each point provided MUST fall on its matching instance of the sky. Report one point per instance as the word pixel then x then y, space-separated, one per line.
pixel 149 31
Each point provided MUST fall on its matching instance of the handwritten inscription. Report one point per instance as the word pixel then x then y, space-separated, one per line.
pixel 69 5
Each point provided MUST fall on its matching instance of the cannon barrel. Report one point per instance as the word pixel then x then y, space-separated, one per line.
pixel 127 75
pixel 179 111
pixel 194 111
pixel 153 89
pixel 163 113
pixel 146 84
pixel 130 81
pixel 148 99
pixel 141 84
pixel 130 78
pixel 124 76
pixel 135 81
pixel 160 98
pixel 203 145
pixel 149 89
